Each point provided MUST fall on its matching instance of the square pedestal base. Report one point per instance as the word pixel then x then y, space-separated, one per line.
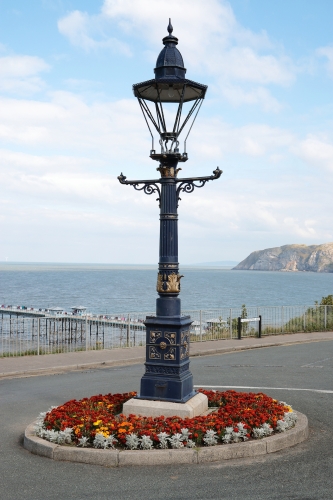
pixel 150 408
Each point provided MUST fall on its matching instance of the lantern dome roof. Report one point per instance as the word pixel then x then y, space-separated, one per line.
pixel 169 84
pixel 170 61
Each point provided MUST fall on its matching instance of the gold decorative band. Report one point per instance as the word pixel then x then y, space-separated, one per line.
pixel 168 283
pixel 166 171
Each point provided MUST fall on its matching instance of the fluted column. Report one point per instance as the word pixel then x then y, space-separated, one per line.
pixel 168 279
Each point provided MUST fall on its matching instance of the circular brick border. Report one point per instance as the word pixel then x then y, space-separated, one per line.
pixel 119 458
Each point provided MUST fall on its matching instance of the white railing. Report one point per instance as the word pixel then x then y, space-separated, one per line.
pixel 23 335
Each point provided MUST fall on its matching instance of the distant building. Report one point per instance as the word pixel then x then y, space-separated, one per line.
pixel 79 310
pixel 55 311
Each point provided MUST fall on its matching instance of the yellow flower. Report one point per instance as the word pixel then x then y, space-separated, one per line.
pixel 97 422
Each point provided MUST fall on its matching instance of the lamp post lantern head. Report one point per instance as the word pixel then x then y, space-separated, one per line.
pixel 169 86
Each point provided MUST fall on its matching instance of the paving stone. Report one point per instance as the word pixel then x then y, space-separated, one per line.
pixel 157 457
pixel 37 445
pixel 230 451
pixel 289 438
pixel 106 458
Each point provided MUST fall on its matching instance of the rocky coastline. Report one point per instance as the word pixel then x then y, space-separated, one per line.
pixel 291 258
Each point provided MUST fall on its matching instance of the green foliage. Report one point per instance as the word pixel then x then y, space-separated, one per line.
pixel 327 301
pixel 244 326
pixel 218 330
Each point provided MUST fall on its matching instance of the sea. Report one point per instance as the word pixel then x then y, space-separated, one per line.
pixel 108 289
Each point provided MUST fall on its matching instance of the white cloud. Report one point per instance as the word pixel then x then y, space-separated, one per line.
pixel 67 122
pixel 244 64
pixel 211 41
pixel 298 228
pixel 18 74
pixel 81 28
pixel 215 139
pixel 327 52
pixel 259 95
pixel 115 132
pixel 316 151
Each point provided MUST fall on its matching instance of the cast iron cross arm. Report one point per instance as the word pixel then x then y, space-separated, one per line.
pixel 148 186
pixel 188 185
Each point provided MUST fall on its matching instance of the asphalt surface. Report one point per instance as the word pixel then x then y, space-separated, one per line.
pixel 303 472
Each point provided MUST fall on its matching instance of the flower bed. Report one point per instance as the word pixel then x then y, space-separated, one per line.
pixel 98 422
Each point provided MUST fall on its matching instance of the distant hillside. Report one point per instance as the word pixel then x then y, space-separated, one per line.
pixel 218 263
pixel 315 258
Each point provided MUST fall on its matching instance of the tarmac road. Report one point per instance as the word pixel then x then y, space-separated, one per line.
pixel 304 472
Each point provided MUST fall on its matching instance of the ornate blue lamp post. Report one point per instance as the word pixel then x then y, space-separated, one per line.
pixel 167 375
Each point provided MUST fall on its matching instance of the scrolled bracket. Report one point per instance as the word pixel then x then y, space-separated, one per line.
pixel 188 185
pixel 148 187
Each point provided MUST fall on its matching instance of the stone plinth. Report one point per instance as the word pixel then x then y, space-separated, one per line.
pixel 150 408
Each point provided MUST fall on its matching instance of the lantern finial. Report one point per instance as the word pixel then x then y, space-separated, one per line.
pixel 170 27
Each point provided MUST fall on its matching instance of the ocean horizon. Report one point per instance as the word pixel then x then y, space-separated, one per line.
pixel 115 288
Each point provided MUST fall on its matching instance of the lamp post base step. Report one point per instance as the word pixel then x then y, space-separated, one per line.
pixel 152 408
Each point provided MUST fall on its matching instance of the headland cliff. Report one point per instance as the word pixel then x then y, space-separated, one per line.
pixel 314 258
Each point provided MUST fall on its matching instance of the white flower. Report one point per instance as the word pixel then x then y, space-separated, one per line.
pixel 163 439
pixel 234 436
pixel 291 418
pixel 176 441
pixel 109 441
pixel 185 433
pixel 132 441
pixel 52 436
pixel 102 442
pixel 146 443
pixel 99 441
pixel 39 430
pixel 227 438
pixel 65 436
pixel 190 444
pixel 263 431
pixel 289 421
pixel 281 426
pixel 84 441
pixel 210 438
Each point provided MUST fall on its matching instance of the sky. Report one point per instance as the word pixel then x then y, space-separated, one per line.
pixel 69 125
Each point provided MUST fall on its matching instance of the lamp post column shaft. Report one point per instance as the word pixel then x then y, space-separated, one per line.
pixel 168 225
pixel 168 281
pixel 167 374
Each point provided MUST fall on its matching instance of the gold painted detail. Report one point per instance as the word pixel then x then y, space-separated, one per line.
pixel 163 345
pixel 171 336
pixel 153 353
pixel 170 283
pixel 168 171
pixel 170 355
pixel 154 336
pixel 185 344
pixel 159 286
pixel 173 283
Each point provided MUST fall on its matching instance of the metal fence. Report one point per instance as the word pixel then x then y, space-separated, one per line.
pixel 21 335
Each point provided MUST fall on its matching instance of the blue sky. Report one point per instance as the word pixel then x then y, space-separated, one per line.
pixel 69 124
